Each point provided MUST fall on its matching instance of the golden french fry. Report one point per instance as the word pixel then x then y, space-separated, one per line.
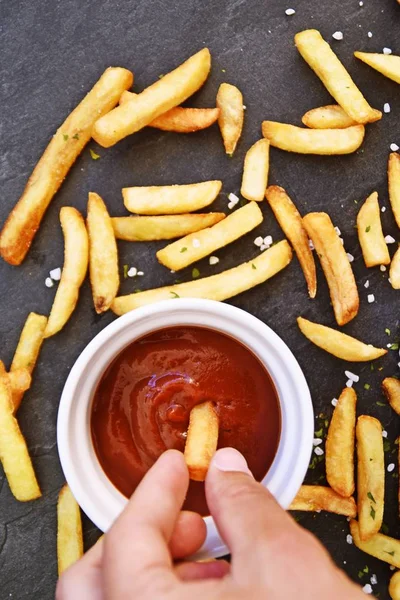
pixel 170 199
pixel 162 227
pixel 13 450
pixel 231 116
pixel 195 246
pixel 326 65
pixel 103 254
pixel 28 348
pixel 339 447
pixel 370 234
pixel 202 440
pixel 391 389
pixel 394 585
pixel 394 184
pixel 337 343
pixel 326 117
pixel 69 530
pixel 255 171
pixel 381 546
pixel 313 141
pixel 394 271
pixel 387 64
pixel 336 266
pixel 179 119
pixel 370 476
pixel 291 223
pixel 318 497
pixel 166 93
pixel 3 370
pixel 51 170
pixel 20 381
pixel 217 287
pixel 76 258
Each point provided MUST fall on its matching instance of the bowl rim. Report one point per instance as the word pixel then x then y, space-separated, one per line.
pixel 94 492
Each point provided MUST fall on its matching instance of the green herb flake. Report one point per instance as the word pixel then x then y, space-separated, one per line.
pixel 387 330
pixel 360 574
pixel 76 136
pixel 372 512
pixel 126 269
pixel 368 229
pixel 65 136
pixel 379 403
pixel 386 446
pixel 370 496
pixel 174 295
pixel 195 273
pixel 385 528
pixel 372 367
pixel 184 249
pixel 253 266
pixel 394 346
pixel 229 154
pixel 161 76
pixel 366 386
pixel 366 569
pixel 319 433
pixel 137 291
pixel 93 154
pixel 392 553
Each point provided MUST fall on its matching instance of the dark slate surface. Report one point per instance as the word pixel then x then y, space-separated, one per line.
pixel 52 52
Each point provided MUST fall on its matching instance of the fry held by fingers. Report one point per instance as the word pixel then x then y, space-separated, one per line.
pixel 326 65
pixel 255 171
pixel 166 93
pixel 319 497
pixel 217 287
pixel 336 266
pixel 202 440
pixel 313 141
pixel 370 476
pixel 76 259
pixel 103 254
pixel 292 225
pixel 340 443
pixel 327 117
pixel 69 530
pixel 231 115
pixel 59 156
pixel 387 64
pixel 394 184
pixel 337 343
pixel 195 246
pixel 170 199
pixel 370 234
pixel 179 119
pixel 162 227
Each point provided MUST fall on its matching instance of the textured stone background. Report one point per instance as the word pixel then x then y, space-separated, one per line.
pixel 52 53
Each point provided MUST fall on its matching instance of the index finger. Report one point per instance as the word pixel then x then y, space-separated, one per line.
pixel 136 554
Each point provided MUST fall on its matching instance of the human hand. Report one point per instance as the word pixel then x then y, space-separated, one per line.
pixel 272 556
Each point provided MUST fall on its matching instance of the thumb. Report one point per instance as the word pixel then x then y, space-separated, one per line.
pixel 248 518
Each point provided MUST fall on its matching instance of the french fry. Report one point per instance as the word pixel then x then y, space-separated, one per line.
pixel 370 234
pixel 13 450
pixel 179 119
pixel 69 530
pixel 170 199
pixel 394 184
pixel 202 440
pixel 291 223
pixel 76 258
pixel 166 93
pixel 336 266
pixel 19 380
pixel 337 343
pixel 313 141
pixel 163 227
pixel 195 246
pixel 394 271
pixel 380 546
pixel 103 254
pixel 28 348
pixel 394 585
pixel 387 64
pixel 217 287
pixel 59 156
pixel 255 171
pixel 326 117
pixel 326 65
pixel 318 497
pixel 231 116
pixel 370 476
pixel 391 389
pixel 339 447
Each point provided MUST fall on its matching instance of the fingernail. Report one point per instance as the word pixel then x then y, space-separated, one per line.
pixel 229 459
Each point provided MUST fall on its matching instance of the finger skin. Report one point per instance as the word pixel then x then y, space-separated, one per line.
pixel 193 571
pixel 188 536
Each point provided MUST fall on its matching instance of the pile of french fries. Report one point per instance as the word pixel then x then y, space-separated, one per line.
pixel 110 112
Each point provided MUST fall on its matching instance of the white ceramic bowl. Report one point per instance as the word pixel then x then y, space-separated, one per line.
pixel 97 496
